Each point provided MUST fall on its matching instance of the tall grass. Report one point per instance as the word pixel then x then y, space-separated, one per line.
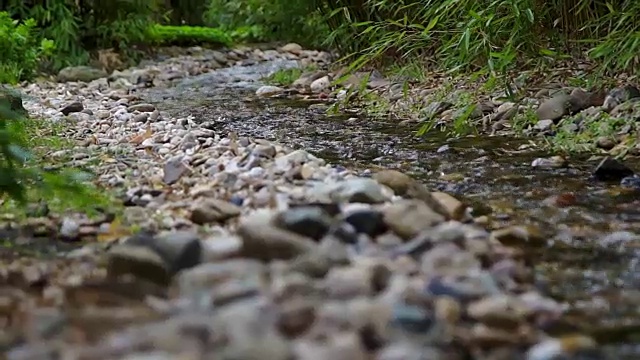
pixel 493 37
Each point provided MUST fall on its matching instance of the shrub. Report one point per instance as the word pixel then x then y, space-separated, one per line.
pixel 23 177
pixel 186 35
pixel 492 36
pixel 21 49
pixel 12 151
pixel 79 26
pixel 269 20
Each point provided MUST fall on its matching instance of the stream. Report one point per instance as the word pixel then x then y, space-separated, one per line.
pixel 597 273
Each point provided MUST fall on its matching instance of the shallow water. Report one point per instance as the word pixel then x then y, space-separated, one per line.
pixel 490 173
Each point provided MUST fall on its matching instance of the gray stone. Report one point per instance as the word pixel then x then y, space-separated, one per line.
pixel 80 73
pixel 554 108
pixel 173 170
pixel 408 218
pixel 269 90
pixel 143 107
pixel 360 190
pixel 543 125
pixel 178 249
pixel 139 261
pixel 206 211
pixel 263 240
pixel 320 84
pixel 73 107
pixel 310 221
pixel 619 96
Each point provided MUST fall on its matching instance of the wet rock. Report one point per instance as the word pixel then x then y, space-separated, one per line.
pixel 554 162
pixel 143 107
pixel 310 221
pixel 269 90
pixel 80 73
pixel 408 218
pixel 619 96
pixel 631 182
pixel 519 236
pixel 261 239
pixel 611 169
pixel 207 211
pixel 73 107
pixel 69 229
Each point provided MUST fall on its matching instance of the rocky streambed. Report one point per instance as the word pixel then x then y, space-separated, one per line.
pixel 270 230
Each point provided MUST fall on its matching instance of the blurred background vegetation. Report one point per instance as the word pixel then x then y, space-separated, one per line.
pixel 447 34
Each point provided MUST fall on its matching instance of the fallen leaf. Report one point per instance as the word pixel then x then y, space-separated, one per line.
pixel 115 232
pixel 138 139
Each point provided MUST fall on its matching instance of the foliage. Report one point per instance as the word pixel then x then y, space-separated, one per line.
pixel 187 35
pixel 270 20
pixel 25 177
pixel 286 77
pixel 79 26
pixel 492 37
pixel 582 133
pixel 21 49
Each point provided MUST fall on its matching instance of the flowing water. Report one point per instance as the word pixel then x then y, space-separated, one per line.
pixel 598 276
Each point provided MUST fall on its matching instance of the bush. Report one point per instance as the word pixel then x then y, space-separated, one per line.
pixel 187 35
pixel 490 37
pixel 12 153
pixel 80 26
pixel 269 20
pixel 21 49
pixel 23 178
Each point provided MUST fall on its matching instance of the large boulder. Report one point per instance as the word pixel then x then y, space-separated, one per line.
pixel 80 73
